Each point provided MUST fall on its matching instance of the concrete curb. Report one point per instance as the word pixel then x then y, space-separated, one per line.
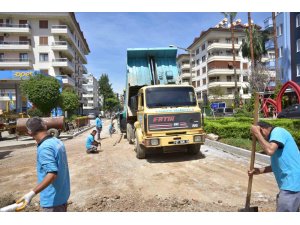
pixel 238 151
pixel 24 145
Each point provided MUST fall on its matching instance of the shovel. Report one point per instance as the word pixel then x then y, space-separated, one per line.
pixel 248 197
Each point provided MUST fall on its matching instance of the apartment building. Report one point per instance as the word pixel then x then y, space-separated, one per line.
pixel 183 64
pixel 48 43
pixel 92 95
pixel 213 64
pixel 295 46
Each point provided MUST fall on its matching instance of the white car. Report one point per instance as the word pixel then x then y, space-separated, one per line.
pixel 91 116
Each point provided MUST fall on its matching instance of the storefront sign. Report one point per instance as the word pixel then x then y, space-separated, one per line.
pixel 17 74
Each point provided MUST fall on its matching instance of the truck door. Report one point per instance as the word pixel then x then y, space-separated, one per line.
pixel 140 112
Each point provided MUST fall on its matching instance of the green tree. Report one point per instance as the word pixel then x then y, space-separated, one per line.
pixel 69 101
pixel 43 92
pixel 105 89
pixel 258 39
pixel 216 92
pixel 112 104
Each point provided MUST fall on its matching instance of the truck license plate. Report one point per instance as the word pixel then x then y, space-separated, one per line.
pixel 178 142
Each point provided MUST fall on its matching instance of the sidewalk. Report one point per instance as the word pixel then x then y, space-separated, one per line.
pixel 25 141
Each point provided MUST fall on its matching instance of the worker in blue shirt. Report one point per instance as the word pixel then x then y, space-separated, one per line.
pixel 98 126
pixel 92 145
pixel 52 170
pixel 278 143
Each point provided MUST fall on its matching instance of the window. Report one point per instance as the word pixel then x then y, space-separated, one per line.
pixel 43 24
pixel 198 83
pixel 198 72
pixel 228 40
pixel 228 78
pixel 298 20
pixel 203 70
pixel 298 70
pixel 204 81
pixel 198 62
pixel 279 30
pixel 298 44
pixel 203 58
pixel 203 47
pixel 43 40
pixel 44 57
pixel 1 57
pixel 280 51
pixel 23 57
pixel 197 51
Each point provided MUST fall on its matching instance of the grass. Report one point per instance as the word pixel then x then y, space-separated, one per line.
pixel 241 143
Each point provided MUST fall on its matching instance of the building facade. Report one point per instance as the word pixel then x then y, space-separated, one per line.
pixel 295 46
pixel 213 65
pixel 92 95
pixel 47 43
pixel 183 63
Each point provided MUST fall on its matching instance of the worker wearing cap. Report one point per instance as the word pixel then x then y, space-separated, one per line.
pixel 285 164
pixel 52 170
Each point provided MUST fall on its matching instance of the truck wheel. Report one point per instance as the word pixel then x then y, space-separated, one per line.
pixel 140 150
pixel 12 131
pixel 194 149
pixel 53 132
pixel 130 134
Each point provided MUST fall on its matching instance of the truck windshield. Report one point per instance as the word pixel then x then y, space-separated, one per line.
pixel 170 97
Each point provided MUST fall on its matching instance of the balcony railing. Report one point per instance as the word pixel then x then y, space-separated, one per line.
pixel 14 42
pixel 67 80
pixel 14 60
pixel 268 23
pixel 15 25
pixel 269 45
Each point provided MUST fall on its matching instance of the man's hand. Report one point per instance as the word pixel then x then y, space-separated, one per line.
pixel 255 171
pixel 26 199
pixel 255 130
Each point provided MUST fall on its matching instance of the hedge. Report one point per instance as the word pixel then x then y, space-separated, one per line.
pixel 239 127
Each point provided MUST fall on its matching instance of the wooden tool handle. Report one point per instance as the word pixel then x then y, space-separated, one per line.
pixel 256 103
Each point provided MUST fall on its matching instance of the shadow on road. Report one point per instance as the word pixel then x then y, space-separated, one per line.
pixel 159 157
pixel 5 154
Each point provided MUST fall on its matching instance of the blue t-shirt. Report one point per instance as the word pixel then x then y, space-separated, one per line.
pixel 52 157
pixel 98 122
pixel 285 161
pixel 89 141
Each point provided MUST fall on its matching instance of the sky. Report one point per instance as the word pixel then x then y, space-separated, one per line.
pixel 110 34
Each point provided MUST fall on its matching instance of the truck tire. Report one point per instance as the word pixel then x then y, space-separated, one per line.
pixel 130 133
pixel 53 132
pixel 140 150
pixel 12 131
pixel 193 149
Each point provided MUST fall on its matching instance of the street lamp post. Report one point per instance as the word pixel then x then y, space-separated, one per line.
pixel 190 54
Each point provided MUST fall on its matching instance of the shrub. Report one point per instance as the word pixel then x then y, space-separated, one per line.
pixel 35 112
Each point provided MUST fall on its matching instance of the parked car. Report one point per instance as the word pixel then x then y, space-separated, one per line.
pixel 292 111
pixel 91 116
pixel 224 112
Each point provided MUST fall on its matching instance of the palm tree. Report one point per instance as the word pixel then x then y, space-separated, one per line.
pixel 251 40
pixel 232 16
pixel 258 46
pixel 275 46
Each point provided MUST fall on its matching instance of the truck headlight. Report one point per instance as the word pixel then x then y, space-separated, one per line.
pixel 198 138
pixel 154 142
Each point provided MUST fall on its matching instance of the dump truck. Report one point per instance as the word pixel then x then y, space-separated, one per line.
pixel 159 114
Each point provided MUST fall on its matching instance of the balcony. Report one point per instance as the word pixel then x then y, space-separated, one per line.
pixel 64 63
pixel 15 46
pixel 269 45
pixel 15 28
pixel 270 65
pixel 185 76
pixel 222 84
pixel 222 58
pixel 63 30
pixel 67 81
pixel 15 63
pixel 63 46
pixel 185 66
pixel 219 70
pixel 268 23
pixel 222 45
pixel 84 69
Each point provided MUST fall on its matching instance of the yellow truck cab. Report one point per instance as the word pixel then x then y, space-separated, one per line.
pixel 168 116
